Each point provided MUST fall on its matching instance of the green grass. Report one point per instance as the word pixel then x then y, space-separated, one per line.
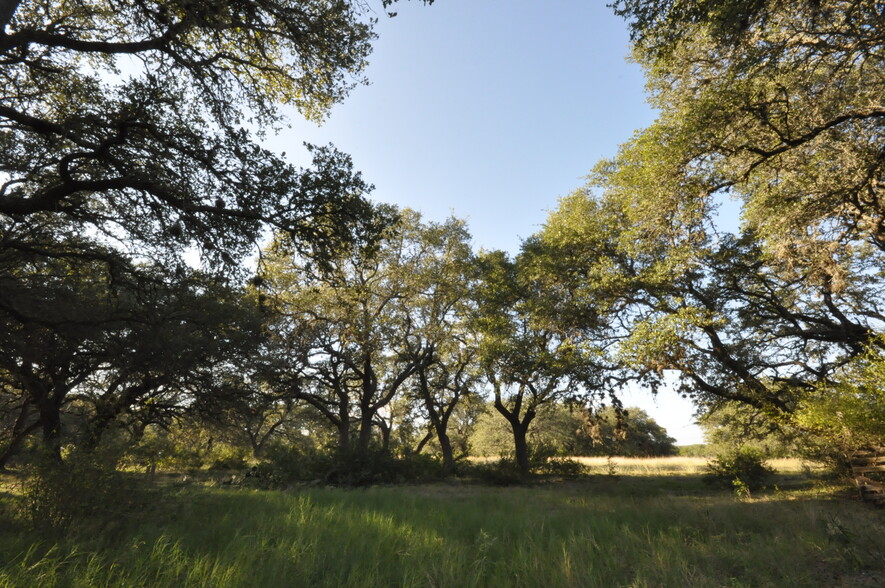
pixel 637 529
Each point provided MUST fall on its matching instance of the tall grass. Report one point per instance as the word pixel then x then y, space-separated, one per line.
pixel 624 530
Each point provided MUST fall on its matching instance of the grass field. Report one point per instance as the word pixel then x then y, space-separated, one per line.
pixel 641 523
pixel 642 466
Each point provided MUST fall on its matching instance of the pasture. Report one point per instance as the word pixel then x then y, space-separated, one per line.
pixel 630 522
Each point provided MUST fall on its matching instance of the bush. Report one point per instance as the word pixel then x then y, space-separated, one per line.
pixel 696 450
pixel 743 469
pixel 560 467
pixel 227 457
pixel 543 462
pixel 502 472
pixel 284 465
pixel 83 488
pixel 158 449
pixel 380 467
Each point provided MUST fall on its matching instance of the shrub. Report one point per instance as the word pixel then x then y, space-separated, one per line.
pixel 380 467
pixel 85 487
pixel 285 465
pixel 743 469
pixel 544 460
pixel 503 472
pixel 227 457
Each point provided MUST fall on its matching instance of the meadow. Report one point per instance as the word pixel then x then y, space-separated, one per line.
pixel 629 522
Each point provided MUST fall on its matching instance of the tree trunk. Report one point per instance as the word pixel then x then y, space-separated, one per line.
pixel 386 430
pixel 50 422
pixel 521 444
pixel 440 424
pixel 365 436
pixel 448 454
pixel 520 431
pixel 102 421
pixel 343 426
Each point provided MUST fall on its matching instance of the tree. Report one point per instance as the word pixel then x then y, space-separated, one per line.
pixel 630 431
pixel 848 412
pixel 174 352
pixel 575 431
pixel 444 273
pixel 528 361
pixel 734 322
pixel 134 345
pixel 731 426
pixel 128 119
pixel 357 332
pixel 778 105
pixel 556 429
pixel 52 339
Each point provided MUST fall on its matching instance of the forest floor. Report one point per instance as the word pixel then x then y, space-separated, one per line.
pixel 632 522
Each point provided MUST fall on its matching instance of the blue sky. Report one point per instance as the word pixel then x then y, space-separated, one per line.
pixel 491 110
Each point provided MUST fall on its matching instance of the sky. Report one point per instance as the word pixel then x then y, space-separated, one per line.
pixel 491 110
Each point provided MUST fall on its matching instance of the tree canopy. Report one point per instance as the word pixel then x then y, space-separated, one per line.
pixel 134 122
pixel 778 104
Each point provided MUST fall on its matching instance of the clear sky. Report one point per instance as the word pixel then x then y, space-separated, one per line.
pixel 491 110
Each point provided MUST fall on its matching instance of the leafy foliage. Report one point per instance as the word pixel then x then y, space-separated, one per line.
pixel 560 430
pixel 730 425
pixel 740 469
pixel 128 120
pixel 779 105
pixel 848 413
pixel 85 490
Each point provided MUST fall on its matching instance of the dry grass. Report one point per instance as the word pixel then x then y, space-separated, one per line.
pixel 661 466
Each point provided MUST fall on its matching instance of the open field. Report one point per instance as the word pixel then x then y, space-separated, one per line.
pixel 642 466
pixel 657 526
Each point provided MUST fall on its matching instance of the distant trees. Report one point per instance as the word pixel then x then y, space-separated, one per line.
pixel 569 431
pixel 380 322
pixel 629 431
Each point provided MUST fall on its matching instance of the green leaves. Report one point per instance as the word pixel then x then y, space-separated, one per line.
pixel 127 120
pixel 781 113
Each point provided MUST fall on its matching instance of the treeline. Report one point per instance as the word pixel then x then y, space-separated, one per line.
pixel 375 330
pixel 395 346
